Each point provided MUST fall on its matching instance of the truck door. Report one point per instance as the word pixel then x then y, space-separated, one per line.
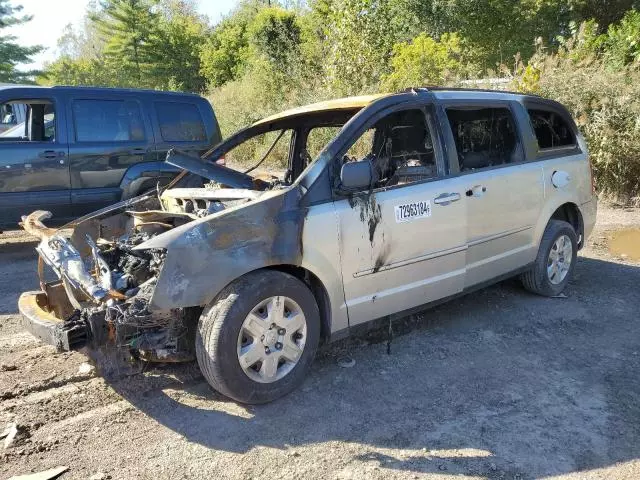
pixel 109 135
pixel 34 167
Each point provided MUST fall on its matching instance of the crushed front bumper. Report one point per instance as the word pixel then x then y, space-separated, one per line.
pixel 44 325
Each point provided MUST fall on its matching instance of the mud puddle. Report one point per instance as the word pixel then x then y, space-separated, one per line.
pixel 626 244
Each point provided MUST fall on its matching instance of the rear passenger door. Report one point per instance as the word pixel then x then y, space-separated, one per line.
pixel 503 192
pixel 110 133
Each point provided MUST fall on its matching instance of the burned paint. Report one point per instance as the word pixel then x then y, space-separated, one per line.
pixel 370 212
pixel 206 255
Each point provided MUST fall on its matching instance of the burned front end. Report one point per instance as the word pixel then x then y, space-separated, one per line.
pixel 98 278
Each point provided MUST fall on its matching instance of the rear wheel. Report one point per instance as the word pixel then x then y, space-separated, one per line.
pixel 257 339
pixel 555 262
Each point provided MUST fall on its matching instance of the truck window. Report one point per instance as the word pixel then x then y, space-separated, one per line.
pixel 107 121
pixel 551 129
pixel 484 137
pixel 28 122
pixel 180 122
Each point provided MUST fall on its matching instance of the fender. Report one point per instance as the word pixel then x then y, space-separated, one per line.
pixel 206 255
pixel 560 198
pixel 141 173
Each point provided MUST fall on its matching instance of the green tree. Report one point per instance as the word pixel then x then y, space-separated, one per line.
pixel 622 41
pixel 224 54
pixel 12 54
pixel 425 61
pixel 275 35
pixel 358 37
pixel 181 33
pixel 129 30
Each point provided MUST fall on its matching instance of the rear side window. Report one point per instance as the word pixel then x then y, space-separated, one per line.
pixel 107 121
pixel 180 122
pixel 551 130
pixel 484 137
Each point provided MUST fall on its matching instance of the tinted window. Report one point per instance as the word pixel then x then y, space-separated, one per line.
pixel 107 121
pixel 400 147
pixel 180 122
pixel 551 130
pixel 484 137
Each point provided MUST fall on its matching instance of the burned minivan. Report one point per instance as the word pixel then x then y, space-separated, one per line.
pixel 388 203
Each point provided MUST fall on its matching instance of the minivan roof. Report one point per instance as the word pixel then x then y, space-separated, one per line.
pixel 7 86
pixel 358 102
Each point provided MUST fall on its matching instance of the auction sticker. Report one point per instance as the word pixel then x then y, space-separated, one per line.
pixel 412 211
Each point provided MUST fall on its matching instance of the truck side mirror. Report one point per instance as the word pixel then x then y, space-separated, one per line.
pixel 357 175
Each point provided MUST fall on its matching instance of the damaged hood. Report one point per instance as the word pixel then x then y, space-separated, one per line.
pixel 211 171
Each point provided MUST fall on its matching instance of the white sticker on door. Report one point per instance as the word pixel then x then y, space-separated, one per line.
pixel 412 211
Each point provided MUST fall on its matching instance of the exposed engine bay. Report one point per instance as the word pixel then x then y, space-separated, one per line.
pixel 107 276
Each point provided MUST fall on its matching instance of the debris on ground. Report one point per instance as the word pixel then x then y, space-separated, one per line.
pixel 9 434
pixel 561 295
pixel 7 367
pixel 44 475
pixel 346 362
pixel 85 368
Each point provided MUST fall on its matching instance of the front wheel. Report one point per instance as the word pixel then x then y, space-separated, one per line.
pixel 256 341
pixel 555 262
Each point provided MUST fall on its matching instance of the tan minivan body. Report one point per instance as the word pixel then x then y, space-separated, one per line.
pixel 419 197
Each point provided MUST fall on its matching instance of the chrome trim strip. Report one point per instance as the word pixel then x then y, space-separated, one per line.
pixel 402 263
pixel 406 287
pixel 498 235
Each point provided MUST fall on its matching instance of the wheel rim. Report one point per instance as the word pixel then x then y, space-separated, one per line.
pixel 272 339
pixel 560 258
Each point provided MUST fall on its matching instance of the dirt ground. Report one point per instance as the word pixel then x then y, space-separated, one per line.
pixel 500 384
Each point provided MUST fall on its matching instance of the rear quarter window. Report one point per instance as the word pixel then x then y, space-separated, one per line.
pixel 180 122
pixel 551 129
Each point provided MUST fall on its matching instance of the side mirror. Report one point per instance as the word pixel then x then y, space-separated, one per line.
pixel 357 175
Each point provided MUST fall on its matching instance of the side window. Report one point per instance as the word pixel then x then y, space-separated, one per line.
pixel 269 151
pixel 180 122
pixel 400 147
pixel 28 121
pixel 484 137
pixel 551 129
pixel 107 121
pixel 317 139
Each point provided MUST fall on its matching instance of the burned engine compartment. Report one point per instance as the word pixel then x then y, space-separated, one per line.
pixel 106 281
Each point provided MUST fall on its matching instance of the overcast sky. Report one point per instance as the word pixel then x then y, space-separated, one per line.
pixel 51 16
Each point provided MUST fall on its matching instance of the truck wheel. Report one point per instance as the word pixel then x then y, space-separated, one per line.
pixel 256 341
pixel 555 262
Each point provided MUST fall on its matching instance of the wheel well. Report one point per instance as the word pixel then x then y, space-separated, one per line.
pixel 319 292
pixel 570 213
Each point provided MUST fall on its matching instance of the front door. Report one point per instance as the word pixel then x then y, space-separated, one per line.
pixel 34 169
pixel 402 244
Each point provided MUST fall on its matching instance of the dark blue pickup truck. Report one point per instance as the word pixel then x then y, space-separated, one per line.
pixel 79 149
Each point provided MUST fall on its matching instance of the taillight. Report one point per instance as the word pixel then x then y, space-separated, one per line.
pixel 593 180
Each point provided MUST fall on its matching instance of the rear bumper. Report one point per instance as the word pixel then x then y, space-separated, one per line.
pixel 589 211
pixel 44 325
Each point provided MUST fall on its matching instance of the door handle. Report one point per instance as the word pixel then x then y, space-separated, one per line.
pixel 51 154
pixel 446 198
pixel 138 151
pixel 476 191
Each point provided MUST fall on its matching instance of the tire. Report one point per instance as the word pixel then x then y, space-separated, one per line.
pixel 537 279
pixel 218 340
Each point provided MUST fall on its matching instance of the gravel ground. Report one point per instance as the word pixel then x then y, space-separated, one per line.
pixel 500 384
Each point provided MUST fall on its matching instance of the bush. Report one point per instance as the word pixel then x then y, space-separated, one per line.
pixel 606 106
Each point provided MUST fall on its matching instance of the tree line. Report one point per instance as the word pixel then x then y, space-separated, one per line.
pixel 267 55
